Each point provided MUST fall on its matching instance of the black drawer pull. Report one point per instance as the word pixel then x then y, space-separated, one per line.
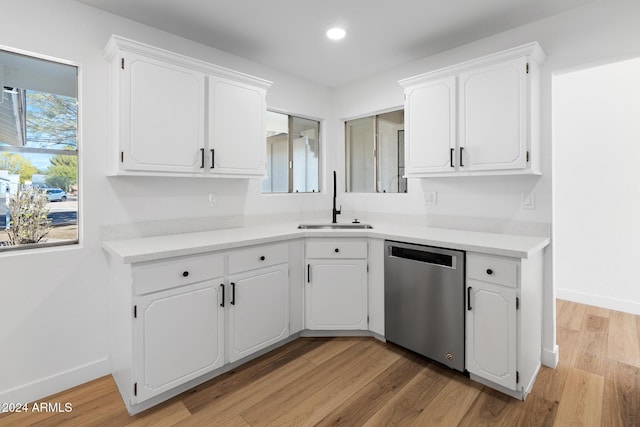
pixel 262 258
pixel 202 158
pixel 469 298
pixel 222 303
pixel 336 250
pixel 489 271
pixel 185 274
pixel 233 293
pixel 451 157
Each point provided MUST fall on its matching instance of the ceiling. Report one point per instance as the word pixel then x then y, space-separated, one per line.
pixel 289 35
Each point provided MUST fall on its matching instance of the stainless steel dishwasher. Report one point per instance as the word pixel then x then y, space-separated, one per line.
pixel 424 301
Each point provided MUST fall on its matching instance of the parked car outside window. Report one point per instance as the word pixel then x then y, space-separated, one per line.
pixel 55 194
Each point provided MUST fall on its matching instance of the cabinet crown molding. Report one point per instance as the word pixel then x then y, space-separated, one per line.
pixel 533 51
pixel 117 44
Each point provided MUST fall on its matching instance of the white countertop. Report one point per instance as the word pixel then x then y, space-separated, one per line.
pixel 160 247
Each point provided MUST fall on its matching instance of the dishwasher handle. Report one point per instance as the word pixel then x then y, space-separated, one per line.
pixel 424 255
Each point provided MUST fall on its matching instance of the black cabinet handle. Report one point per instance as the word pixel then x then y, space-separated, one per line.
pixel 213 158
pixel 262 258
pixel 469 298
pixel 489 271
pixel 308 273
pixel 222 303
pixel 461 149
pixel 202 158
pixel 451 157
pixel 185 274
pixel 336 250
pixel 233 293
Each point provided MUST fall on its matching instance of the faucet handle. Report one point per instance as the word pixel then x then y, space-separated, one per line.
pixel 339 211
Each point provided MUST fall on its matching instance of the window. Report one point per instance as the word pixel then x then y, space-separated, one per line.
pixel 374 158
pixel 38 152
pixel 293 153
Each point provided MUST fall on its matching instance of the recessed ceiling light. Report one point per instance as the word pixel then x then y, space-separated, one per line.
pixel 336 33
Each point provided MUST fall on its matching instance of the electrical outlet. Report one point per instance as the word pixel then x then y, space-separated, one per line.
pixel 430 198
pixel 528 200
pixel 213 199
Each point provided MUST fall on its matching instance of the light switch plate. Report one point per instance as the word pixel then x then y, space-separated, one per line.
pixel 528 200
pixel 431 198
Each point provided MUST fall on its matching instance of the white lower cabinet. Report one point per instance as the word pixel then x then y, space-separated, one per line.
pixel 336 286
pixel 504 321
pixel 177 320
pixel 491 333
pixel 258 310
pixel 179 336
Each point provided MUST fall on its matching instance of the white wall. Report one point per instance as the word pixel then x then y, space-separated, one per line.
pixel 597 185
pixel 53 303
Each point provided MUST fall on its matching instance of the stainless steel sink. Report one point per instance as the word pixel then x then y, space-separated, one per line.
pixel 352 226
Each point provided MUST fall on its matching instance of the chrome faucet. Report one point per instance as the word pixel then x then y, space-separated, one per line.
pixel 335 212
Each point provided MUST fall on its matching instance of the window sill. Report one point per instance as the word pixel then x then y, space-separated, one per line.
pixel 39 247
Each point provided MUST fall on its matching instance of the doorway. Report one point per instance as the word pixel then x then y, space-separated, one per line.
pixel 596 185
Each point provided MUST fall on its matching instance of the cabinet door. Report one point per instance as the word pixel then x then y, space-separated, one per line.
pixel 161 116
pixel 237 132
pixel 491 333
pixel 493 117
pixel 336 294
pixel 258 304
pixel 431 124
pixel 178 336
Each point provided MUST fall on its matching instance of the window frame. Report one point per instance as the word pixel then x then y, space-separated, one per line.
pixel 71 243
pixel 290 143
pixel 376 153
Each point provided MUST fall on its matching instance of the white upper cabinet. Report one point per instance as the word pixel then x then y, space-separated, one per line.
pixel 177 116
pixel 237 144
pixel 480 117
pixel 493 135
pixel 432 120
pixel 161 115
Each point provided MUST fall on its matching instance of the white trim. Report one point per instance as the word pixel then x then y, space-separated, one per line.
pixel 118 44
pixel 610 303
pixel 532 50
pixel 550 357
pixel 54 384
pixel 374 113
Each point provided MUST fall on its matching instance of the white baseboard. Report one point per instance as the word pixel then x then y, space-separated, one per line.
pixel 550 357
pixel 632 307
pixel 31 392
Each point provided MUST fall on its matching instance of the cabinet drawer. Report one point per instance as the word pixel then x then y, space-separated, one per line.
pixel 159 275
pixel 501 271
pixel 257 257
pixel 336 249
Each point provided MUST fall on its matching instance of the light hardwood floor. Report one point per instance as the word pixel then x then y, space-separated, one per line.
pixel 363 382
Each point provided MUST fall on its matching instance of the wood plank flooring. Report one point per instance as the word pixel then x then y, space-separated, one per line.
pixel 363 382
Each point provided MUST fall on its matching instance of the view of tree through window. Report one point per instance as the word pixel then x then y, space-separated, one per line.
pixel 38 152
